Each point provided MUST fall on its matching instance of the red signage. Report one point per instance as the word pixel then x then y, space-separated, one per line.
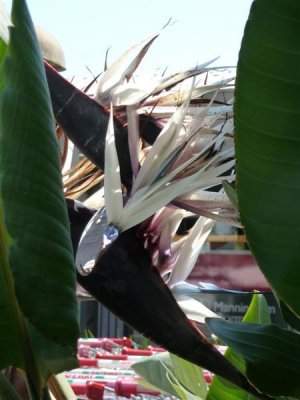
pixel 229 270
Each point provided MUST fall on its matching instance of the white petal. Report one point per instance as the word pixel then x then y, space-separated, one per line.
pixel 195 310
pixel 190 251
pixel 122 68
pixel 112 180
pixel 134 140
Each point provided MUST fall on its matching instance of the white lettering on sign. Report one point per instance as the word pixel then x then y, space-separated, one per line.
pixel 221 307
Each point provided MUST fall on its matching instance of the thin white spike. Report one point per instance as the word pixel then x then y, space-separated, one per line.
pixel 112 180
pixel 134 140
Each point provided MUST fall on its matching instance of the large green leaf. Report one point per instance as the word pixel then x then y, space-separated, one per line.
pixel 267 121
pixel 173 375
pixel 40 252
pixel 292 319
pixel 38 306
pixel 182 392
pixel 272 354
pixel 154 370
pixel 219 388
pixel 11 319
pixel 190 376
pixel 2 49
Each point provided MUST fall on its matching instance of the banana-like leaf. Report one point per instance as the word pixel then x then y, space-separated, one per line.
pixel 289 316
pixel 190 376
pixel 10 319
pixel 272 354
pixel 267 142
pixel 2 52
pixel 168 373
pixel 219 388
pixel 182 392
pixel 38 309
pixel 153 370
pixel 4 22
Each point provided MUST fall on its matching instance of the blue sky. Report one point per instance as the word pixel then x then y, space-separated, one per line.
pixel 202 30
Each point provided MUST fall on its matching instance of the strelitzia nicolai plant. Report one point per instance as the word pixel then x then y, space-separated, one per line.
pixel 122 274
pixel 111 280
pixel 264 341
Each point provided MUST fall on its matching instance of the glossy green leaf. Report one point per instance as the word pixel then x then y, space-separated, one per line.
pixel 154 369
pixel 171 374
pixel 190 376
pixel 11 319
pixel 40 252
pixel 38 306
pixel 272 354
pixel 3 47
pixel 257 313
pixel 267 122
pixel 182 392
pixel 290 317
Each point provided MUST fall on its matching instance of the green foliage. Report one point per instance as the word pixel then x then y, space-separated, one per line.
pixel 189 376
pixel 268 354
pixel 272 354
pixel 170 373
pixel 292 320
pixel 267 122
pixel 154 369
pixel 256 313
pixel 3 48
pixel 267 149
pixel 186 380
pixel 38 306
